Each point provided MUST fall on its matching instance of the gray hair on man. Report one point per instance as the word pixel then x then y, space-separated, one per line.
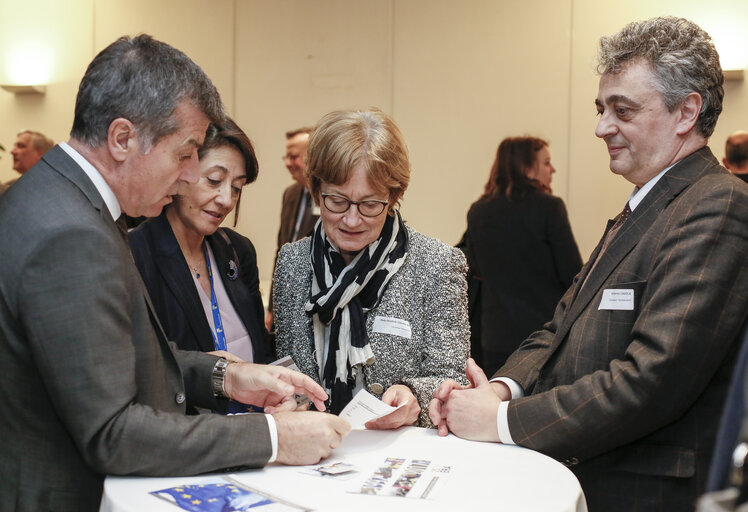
pixel 142 80
pixel 40 142
pixel 683 60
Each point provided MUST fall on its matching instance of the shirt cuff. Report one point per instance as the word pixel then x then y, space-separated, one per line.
pixel 273 430
pixel 515 389
pixel 502 424
pixel 502 421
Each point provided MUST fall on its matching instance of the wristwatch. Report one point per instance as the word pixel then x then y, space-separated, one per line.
pixel 218 376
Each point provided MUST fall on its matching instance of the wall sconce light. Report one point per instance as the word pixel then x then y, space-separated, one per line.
pixel 25 89
pixel 733 75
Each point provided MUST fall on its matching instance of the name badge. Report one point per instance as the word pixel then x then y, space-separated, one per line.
pixel 620 300
pixel 389 325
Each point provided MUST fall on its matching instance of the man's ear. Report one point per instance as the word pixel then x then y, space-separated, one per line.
pixel 689 110
pixel 121 139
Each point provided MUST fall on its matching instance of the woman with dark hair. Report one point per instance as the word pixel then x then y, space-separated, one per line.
pixel 520 249
pixel 367 302
pixel 203 279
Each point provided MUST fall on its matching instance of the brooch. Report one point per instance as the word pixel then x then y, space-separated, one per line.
pixel 233 271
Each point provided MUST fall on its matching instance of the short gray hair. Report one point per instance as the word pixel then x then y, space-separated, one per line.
pixel 142 80
pixel 40 142
pixel 682 57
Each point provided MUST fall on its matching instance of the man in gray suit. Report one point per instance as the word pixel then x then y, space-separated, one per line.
pixel 90 386
pixel 626 382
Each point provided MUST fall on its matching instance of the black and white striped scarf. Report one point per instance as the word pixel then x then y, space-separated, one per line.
pixel 341 295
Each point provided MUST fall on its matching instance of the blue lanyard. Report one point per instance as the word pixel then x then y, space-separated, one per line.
pixel 219 338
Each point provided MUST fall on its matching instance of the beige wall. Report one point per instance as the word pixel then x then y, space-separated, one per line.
pixel 456 76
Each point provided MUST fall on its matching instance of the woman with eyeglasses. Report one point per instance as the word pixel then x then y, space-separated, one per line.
pixel 367 302
pixel 201 278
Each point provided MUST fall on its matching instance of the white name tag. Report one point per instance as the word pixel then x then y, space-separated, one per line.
pixel 389 325
pixel 622 300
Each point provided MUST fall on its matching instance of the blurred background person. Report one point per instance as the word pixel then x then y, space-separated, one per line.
pixel 299 214
pixel 736 155
pixel 520 249
pixel 203 279
pixel 387 304
pixel 27 150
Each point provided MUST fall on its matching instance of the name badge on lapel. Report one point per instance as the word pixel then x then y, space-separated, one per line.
pixel 617 300
pixel 389 325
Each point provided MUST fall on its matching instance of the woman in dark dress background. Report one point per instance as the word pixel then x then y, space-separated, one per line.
pixel 520 248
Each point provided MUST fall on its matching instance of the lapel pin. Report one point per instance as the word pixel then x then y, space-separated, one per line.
pixel 233 271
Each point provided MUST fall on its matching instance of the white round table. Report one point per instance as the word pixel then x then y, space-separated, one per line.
pixel 483 476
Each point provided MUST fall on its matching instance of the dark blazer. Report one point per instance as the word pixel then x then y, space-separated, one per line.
pixel 525 256
pixel 631 399
pixel 289 211
pixel 89 385
pixel 733 426
pixel 172 289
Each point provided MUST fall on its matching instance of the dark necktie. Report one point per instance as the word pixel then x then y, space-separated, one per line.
pixel 302 216
pixel 609 236
pixel 122 226
pixel 622 217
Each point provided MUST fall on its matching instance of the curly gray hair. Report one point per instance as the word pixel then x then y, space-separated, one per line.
pixel 683 59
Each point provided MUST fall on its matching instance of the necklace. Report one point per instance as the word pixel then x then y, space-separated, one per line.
pixel 195 268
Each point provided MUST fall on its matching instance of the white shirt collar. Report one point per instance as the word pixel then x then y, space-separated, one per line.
pixel 98 180
pixel 640 193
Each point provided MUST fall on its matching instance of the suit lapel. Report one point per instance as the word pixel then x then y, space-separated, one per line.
pixel 59 161
pixel 642 218
pixel 238 292
pixel 288 223
pixel 175 271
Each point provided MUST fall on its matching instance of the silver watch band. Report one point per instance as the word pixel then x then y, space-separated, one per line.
pixel 218 376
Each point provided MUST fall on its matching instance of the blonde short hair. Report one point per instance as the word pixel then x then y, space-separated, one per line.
pixel 346 138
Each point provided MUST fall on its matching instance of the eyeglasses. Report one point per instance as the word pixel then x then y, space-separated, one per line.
pixel 340 204
pixel 290 157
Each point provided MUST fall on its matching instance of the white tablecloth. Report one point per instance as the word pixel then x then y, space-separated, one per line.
pixel 484 476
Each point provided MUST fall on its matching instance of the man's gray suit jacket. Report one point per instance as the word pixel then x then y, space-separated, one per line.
pixel 89 386
pixel 631 398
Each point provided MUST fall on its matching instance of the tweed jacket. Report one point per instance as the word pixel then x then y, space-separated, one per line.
pixel 175 297
pixel 639 391
pixel 429 292
pixel 90 386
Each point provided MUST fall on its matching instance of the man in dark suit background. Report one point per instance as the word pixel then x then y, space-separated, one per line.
pixel 298 212
pixel 626 383
pixel 90 386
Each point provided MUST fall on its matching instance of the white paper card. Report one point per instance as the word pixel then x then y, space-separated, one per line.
pixel 614 299
pixel 365 407
pixel 389 325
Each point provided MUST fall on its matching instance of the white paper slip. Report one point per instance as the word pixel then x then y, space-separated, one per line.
pixel 286 362
pixel 620 300
pixel 389 325
pixel 365 407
